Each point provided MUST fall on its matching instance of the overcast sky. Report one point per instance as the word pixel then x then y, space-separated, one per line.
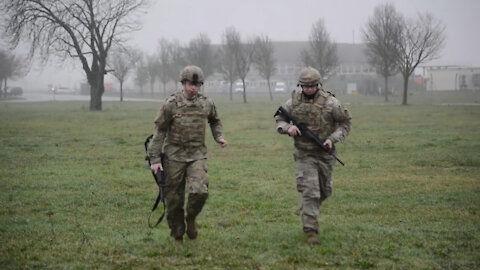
pixel 291 20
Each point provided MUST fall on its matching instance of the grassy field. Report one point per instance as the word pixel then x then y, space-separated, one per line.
pixel 76 191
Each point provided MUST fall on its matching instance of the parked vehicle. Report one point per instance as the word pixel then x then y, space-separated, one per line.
pixel 238 87
pixel 280 87
pixel 15 91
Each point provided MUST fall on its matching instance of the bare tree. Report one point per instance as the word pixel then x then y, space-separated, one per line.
pixel 421 41
pixel 4 70
pixel 164 62
pixel 263 59
pixel 11 66
pixel 322 53
pixel 84 29
pixel 152 68
pixel 169 62
pixel 227 58
pixel 141 74
pixel 178 61
pixel 243 56
pixel 122 61
pixel 381 37
pixel 199 53
pixel 243 59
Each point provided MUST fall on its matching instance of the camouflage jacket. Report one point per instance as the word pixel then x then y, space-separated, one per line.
pixel 180 128
pixel 323 114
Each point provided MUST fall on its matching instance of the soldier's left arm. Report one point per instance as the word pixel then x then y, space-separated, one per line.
pixel 341 118
pixel 214 122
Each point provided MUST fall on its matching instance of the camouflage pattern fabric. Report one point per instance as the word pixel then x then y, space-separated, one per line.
pixel 328 119
pixel 314 182
pixel 323 114
pixel 180 128
pixel 180 134
pixel 194 176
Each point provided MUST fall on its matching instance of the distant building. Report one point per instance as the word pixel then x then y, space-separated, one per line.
pixel 448 78
pixel 353 73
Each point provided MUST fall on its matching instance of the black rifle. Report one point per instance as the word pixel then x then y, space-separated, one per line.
pixel 160 180
pixel 306 132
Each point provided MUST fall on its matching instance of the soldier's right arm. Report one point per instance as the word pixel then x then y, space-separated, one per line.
pixel 162 122
pixel 282 124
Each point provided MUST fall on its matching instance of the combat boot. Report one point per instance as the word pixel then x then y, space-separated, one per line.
pixel 194 207
pixel 191 229
pixel 178 239
pixel 312 238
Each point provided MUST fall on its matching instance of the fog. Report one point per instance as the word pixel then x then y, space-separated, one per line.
pixel 281 20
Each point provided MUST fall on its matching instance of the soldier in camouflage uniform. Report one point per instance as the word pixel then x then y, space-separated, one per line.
pixel 322 113
pixel 180 137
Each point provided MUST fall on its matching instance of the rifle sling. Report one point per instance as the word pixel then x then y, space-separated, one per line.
pixel 160 196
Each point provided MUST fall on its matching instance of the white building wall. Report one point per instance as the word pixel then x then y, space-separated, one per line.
pixel 451 78
pixel 441 80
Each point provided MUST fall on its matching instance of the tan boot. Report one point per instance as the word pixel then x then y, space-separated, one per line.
pixel 312 238
pixel 191 229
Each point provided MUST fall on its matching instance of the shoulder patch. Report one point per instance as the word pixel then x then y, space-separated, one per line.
pixel 333 101
pixel 208 100
pixel 324 93
pixel 171 99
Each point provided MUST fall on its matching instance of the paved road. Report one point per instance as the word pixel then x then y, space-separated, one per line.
pixel 42 97
pixel 459 104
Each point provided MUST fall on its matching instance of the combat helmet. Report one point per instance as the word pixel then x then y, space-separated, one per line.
pixel 193 74
pixel 309 76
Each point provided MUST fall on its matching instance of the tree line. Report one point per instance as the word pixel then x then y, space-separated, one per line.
pixel 396 44
pixel 11 67
pixel 95 33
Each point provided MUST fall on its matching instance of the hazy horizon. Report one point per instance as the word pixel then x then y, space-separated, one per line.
pixel 184 20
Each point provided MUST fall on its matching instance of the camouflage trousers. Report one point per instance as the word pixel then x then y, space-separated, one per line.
pixel 179 175
pixel 314 182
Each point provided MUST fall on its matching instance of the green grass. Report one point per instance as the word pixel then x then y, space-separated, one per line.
pixel 76 191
